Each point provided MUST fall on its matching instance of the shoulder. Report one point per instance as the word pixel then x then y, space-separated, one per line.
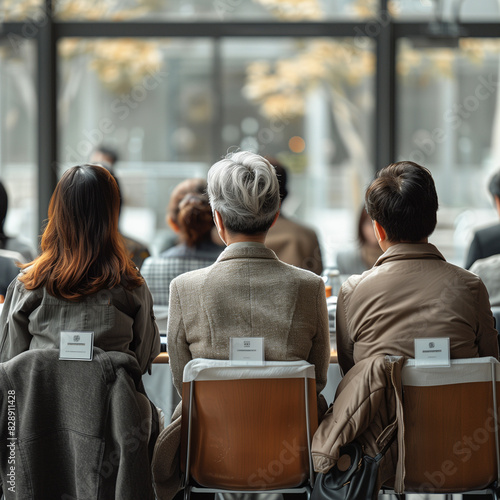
pixel 350 261
pixel 487 233
pixel 152 264
pixel 482 267
pixel 291 224
pixel 192 277
pixel 470 279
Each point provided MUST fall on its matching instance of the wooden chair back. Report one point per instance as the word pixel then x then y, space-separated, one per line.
pixel 249 434
pixel 451 433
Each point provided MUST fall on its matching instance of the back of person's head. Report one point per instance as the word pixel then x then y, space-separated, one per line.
pixel 282 175
pixel 4 204
pixel 195 219
pixel 244 189
pixel 494 185
pixel 104 155
pixel 188 186
pixel 366 234
pixel 82 250
pixel 403 200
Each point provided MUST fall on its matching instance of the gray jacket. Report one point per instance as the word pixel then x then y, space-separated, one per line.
pixel 122 320
pixel 74 429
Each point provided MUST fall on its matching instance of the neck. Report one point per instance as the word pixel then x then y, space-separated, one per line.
pixel 388 244
pixel 239 237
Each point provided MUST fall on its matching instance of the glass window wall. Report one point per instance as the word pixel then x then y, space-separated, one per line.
pixel 448 120
pixel 18 120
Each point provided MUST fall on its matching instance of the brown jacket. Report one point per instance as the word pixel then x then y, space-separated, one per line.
pixel 368 409
pixel 295 244
pixel 412 292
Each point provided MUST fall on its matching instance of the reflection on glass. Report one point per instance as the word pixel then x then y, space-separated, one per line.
pixel 18 117
pixel 448 120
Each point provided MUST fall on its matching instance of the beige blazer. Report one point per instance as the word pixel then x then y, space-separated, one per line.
pixel 248 292
pixel 412 292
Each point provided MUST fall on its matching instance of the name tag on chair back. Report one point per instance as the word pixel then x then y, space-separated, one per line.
pixel 432 352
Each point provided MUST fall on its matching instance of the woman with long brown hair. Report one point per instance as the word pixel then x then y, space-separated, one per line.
pixel 83 280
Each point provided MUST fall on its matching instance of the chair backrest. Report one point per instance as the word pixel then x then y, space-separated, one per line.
pixel 451 433
pixel 248 427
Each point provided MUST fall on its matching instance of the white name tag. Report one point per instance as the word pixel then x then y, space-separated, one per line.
pixel 77 346
pixel 432 352
pixel 247 349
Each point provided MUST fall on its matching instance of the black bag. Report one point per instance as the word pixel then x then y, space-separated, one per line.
pixel 358 482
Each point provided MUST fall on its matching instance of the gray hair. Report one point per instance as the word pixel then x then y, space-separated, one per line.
pixel 244 189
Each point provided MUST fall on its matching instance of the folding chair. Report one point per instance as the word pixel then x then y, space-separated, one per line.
pixel 451 427
pixel 247 429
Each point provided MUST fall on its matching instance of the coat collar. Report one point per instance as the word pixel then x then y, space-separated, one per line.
pixel 246 250
pixel 404 251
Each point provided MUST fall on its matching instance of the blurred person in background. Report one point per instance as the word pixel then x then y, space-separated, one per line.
pixel 8 271
pixel 359 259
pixel 293 242
pixel 7 242
pixel 107 157
pixel 190 216
pixel 83 280
pixel 488 270
pixel 486 241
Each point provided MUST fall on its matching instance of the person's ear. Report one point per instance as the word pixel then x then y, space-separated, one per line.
pixel 219 224
pixel 497 203
pixel 172 224
pixel 379 232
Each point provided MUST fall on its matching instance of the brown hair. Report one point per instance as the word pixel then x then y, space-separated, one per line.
pixel 195 219
pixel 180 191
pixel 82 250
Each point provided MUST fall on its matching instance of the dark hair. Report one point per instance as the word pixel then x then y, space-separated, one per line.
pixel 110 152
pixel 494 185
pixel 195 219
pixel 403 200
pixel 4 203
pixel 282 175
pixel 363 217
pixel 82 250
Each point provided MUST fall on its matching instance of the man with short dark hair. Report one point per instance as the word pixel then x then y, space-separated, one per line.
pixel 486 241
pixel 411 292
